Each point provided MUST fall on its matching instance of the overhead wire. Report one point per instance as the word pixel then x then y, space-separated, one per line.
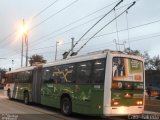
pixel 53 15
pixel 62 28
pixel 40 39
pixel 108 45
pixel 94 26
pixel 45 8
pixel 134 40
pixel 105 26
pixel 74 21
pixel 127 29
pixel 36 15
pixel 130 28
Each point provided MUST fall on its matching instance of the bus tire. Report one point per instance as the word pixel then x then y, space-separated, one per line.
pixel 66 106
pixel 26 98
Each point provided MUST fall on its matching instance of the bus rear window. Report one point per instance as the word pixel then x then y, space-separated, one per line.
pixel 127 69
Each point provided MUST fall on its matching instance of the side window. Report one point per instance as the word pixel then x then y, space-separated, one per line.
pixel 98 71
pixel 63 73
pixel 11 77
pixel 23 78
pixel 15 77
pixel 69 71
pixel 83 72
pixel 47 75
pixel 56 74
pixel 19 77
pixel 28 75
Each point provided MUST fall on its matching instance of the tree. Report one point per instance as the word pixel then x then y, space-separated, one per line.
pixel 2 74
pixel 147 60
pixel 36 59
pixel 135 52
pixel 155 63
pixel 2 70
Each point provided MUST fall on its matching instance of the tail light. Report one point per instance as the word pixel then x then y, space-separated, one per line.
pixel 115 103
pixel 139 102
pixel 116 84
pixel 128 95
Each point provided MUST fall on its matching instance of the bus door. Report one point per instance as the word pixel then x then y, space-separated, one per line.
pixel 36 86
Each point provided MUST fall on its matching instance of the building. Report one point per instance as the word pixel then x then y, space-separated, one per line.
pixel 153 78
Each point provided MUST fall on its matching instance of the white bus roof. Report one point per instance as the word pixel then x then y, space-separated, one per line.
pixel 22 69
pixel 88 56
pixel 72 59
pixel 92 56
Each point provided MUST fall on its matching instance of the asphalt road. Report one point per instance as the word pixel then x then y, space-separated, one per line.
pixel 152 105
pixel 16 110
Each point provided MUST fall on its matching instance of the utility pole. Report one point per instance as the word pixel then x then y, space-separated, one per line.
pixel 72 44
pixel 12 64
pixel 115 43
pixel 26 41
pixel 56 50
pixel 22 54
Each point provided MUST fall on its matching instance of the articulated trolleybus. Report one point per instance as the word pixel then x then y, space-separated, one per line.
pixel 103 83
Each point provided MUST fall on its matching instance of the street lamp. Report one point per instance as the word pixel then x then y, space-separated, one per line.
pixel 24 34
pixel 57 43
pixel 12 64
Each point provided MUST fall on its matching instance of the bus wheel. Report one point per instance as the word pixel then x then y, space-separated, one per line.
pixel 66 106
pixel 26 98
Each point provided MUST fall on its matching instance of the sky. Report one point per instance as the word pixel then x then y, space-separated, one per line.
pixel 59 20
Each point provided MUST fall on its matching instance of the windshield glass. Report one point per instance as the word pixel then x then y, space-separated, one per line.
pixel 127 69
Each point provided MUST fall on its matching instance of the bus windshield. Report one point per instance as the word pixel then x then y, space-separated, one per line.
pixel 127 69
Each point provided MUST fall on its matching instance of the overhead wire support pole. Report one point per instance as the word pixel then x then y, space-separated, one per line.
pixel 26 41
pixel 128 29
pixel 22 53
pixel 22 46
pixel 105 26
pixel 72 44
pixel 95 25
pixel 116 28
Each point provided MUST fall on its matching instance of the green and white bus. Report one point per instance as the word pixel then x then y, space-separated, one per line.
pixel 103 83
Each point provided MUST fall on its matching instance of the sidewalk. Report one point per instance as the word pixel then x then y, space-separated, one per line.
pixel 151 112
